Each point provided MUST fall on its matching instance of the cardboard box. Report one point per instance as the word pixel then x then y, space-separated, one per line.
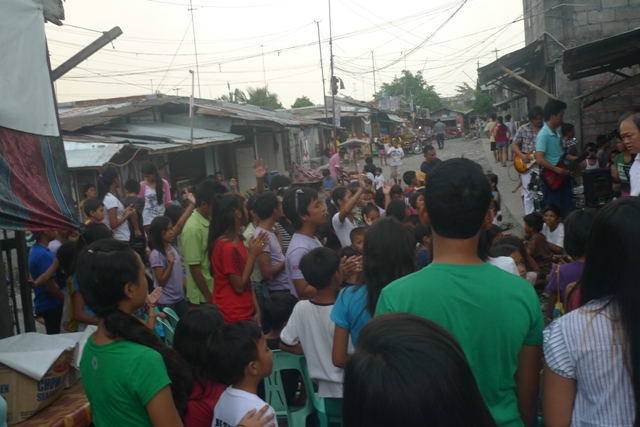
pixel 26 396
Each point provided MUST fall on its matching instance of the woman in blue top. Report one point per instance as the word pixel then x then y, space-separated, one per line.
pixel 389 253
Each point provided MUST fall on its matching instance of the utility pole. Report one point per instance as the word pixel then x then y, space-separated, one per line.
pixel 478 65
pixel 496 51
pixel 264 72
pixel 324 91
pixel 195 48
pixel 191 105
pixel 333 97
pixel 76 59
pixel 373 69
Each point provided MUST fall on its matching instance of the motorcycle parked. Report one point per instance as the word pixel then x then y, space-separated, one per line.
pixel 420 143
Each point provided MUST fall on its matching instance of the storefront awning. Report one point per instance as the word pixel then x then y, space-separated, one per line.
pixel 396 118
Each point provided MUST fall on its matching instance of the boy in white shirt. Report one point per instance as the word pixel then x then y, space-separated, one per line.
pixel 310 326
pixel 396 154
pixel 241 359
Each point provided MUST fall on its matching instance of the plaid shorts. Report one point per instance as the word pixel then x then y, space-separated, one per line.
pixel 396 172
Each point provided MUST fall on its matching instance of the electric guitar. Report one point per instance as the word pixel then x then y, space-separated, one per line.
pixel 554 180
pixel 522 166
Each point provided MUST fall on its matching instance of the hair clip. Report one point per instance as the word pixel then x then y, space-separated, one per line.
pixel 90 251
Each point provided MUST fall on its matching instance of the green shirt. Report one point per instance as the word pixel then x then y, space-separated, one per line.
pixel 550 143
pixel 195 237
pixel 490 312
pixel 120 379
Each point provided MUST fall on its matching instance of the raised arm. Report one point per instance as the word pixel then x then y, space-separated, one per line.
pixel 348 206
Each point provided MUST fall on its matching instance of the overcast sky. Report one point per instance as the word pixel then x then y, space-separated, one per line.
pixel 156 49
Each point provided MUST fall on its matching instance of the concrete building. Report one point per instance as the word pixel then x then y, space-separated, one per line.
pixel 537 72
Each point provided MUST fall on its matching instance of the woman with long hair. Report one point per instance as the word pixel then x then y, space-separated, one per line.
pixel 409 371
pixel 155 191
pixel 116 215
pixel 502 134
pixel 389 253
pixel 592 354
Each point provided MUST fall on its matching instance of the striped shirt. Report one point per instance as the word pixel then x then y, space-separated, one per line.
pixel 526 136
pixel 585 345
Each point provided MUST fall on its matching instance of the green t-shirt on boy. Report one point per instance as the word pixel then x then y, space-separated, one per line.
pixel 120 378
pixel 490 312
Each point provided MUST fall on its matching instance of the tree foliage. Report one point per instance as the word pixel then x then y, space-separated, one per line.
pixel 302 101
pixel 259 96
pixel 465 90
pixel 412 87
pixel 483 103
pixel 237 96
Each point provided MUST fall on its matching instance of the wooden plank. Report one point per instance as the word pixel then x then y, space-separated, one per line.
pixel 596 96
pixel 526 82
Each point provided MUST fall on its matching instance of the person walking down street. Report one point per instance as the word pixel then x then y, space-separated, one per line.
pixel 439 128
pixel 512 132
pixel 524 143
pixel 488 131
pixel 549 154
pixel 501 134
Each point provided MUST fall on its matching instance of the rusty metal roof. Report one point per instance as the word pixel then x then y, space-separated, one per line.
pixel 249 113
pixel 81 114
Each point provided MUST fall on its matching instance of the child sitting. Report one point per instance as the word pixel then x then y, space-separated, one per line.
pixel 423 237
pixel 553 228
pixel 514 254
pixel 310 326
pixel 241 359
pixel 537 246
pixel 94 210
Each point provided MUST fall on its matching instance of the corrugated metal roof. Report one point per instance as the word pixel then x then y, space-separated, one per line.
pixel 249 113
pixel 89 154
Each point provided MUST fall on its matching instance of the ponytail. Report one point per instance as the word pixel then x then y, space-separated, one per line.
pixel 149 168
pixel 224 207
pixel 103 270
pixel 106 180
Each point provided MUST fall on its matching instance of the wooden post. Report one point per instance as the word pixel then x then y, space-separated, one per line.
pixel 525 81
pixel 6 323
pixel 25 288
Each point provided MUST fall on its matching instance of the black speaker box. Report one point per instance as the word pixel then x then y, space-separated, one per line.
pixel 598 187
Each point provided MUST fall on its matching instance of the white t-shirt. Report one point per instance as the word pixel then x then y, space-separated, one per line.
pixel 512 130
pixel 234 404
pixel 378 181
pixel 300 246
pixel 122 231
pixel 556 237
pixel 505 263
pixel 310 324
pixel 395 156
pixel 343 229
pixel 151 207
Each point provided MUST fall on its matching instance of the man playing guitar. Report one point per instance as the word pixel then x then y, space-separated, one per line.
pixel 549 153
pixel 523 145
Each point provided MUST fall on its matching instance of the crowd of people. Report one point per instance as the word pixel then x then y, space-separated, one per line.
pixel 410 305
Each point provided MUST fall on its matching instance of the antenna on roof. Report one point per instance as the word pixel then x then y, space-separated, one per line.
pixel 195 48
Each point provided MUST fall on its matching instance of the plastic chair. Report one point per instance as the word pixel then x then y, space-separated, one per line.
pixel 274 390
pixel 168 331
pixel 171 316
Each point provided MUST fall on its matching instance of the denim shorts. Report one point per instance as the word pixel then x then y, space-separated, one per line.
pixel 502 145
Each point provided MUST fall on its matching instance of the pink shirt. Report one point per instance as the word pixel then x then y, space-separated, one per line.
pixel 333 163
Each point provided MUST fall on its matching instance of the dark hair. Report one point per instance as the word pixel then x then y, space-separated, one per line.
pixel 427 379
pixel 337 194
pixel 295 204
pixel 233 348
pixel 66 255
pixel 412 219
pixel 507 117
pixel 486 240
pixel 88 186
pixel 516 243
pixel 318 267
pixel 503 250
pixel 614 242
pixel 380 199
pixel 494 204
pixel 387 255
pixel 501 124
pixel 106 180
pixel 493 116
pixel 226 207
pixel 397 209
pixel 277 309
pixel 566 128
pixel 368 160
pixel 353 186
pixel 590 145
pixel 92 233
pixel 132 186
pixel 408 176
pixel 368 181
pixel 348 252
pixel 149 168
pixel 379 169
pixel 555 208
pixel 369 208
pixel 534 220
pixel 159 225
pixel 577 229
pixel 326 172
pixel 396 189
pixel 421 231
pixel 493 179
pixel 91 205
pixel 251 206
pixel 104 269
pixel 553 108
pixel 174 212
pixel 359 231
pixel 427 148
pixel 413 200
pixel 279 182
pixel 457 198
pixel 192 339
pixel 207 190
pixel 535 112
pixel 265 204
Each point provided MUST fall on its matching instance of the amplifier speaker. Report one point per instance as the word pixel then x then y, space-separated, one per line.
pixel 598 187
